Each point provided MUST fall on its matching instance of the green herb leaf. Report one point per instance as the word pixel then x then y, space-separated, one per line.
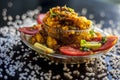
pixel 92 32
pixel 84 49
pixel 53 14
pixel 104 39
pixel 68 9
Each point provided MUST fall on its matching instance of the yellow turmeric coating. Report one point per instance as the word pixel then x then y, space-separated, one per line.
pixel 33 40
pixel 37 38
pixel 63 26
pixel 64 16
pixel 63 22
pixel 51 42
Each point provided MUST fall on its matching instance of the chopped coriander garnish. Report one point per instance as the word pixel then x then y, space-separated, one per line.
pixel 69 9
pixel 104 39
pixel 53 14
pixel 84 49
pixel 92 32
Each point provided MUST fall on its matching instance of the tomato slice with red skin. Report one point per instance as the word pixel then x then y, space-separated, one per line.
pixel 40 18
pixel 111 41
pixel 29 30
pixel 68 50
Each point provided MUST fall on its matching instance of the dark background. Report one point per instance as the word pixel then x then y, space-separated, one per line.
pixel 18 7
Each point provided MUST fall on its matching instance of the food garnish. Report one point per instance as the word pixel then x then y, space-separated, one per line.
pixel 67 50
pixel 40 18
pixel 44 48
pixel 62 27
pixel 90 45
pixel 30 30
pixel 104 39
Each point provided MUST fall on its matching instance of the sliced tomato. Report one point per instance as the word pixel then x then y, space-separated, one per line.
pixel 40 18
pixel 29 30
pixel 111 41
pixel 67 50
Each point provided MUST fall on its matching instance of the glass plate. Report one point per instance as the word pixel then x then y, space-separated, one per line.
pixel 65 58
